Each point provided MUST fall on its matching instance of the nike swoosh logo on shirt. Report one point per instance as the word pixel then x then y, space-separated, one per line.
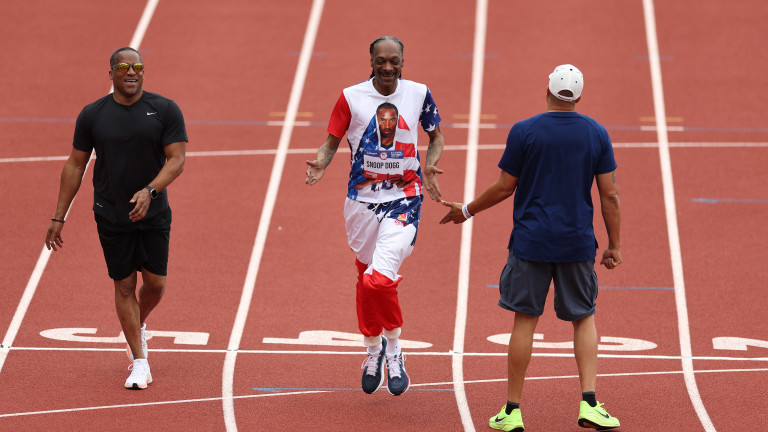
pixel 152 113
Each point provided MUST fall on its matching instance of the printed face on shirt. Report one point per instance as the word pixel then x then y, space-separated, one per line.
pixel 387 119
pixel 127 83
pixel 387 63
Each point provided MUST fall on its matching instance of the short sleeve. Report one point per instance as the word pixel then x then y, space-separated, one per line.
pixel 340 117
pixel 429 117
pixel 607 162
pixel 512 159
pixel 174 129
pixel 83 140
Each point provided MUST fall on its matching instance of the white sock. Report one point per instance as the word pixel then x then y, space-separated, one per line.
pixel 374 350
pixel 393 347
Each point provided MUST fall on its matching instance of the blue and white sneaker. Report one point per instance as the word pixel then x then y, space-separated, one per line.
pixel 397 382
pixel 373 373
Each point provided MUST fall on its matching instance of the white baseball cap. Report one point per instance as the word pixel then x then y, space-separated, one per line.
pixel 566 77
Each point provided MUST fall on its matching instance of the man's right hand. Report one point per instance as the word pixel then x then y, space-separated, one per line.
pixel 315 172
pixel 53 236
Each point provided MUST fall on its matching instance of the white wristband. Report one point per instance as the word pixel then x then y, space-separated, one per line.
pixel 465 212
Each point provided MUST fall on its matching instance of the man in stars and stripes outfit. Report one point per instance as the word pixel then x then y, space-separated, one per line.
pixel 380 117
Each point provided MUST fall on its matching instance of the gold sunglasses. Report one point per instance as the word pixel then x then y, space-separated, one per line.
pixel 123 67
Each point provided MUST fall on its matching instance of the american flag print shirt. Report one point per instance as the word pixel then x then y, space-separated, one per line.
pixel 355 114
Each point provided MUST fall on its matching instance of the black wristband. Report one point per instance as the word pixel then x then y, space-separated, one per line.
pixel 57 220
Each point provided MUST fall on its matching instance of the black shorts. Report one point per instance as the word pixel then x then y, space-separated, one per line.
pixel 524 285
pixel 135 246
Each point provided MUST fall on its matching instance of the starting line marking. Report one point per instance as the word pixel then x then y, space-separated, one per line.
pixel 330 338
pixel 737 343
pixel 336 338
pixel 609 343
pixel 73 335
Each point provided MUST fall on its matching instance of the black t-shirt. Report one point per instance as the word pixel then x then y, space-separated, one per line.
pixel 129 142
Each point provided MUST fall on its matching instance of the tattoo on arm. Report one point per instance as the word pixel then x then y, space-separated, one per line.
pixel 325 154
pixel 434 149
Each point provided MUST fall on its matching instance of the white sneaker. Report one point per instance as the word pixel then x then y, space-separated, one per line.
pixel 140 375
pixel 144 336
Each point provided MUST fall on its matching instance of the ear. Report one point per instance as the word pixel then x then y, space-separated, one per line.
pixel 577 100
pixel 110 74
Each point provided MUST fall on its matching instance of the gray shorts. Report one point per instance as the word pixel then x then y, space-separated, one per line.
pixel 524 285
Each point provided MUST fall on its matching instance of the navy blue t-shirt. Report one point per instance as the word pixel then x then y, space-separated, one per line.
pixel 129 143
pixel 556 156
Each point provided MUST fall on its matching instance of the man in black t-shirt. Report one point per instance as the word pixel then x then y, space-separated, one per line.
pixel 140 143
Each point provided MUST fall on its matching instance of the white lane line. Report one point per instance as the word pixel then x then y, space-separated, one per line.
pixel 671 213
pixel 462 296
pixel 448 147
pixel 410 353
pixel 211 399
pixel 45 255
pixel 305 392
pixel 228 373
pixel 141 28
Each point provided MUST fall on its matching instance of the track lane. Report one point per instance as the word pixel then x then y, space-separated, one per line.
pixel 711 76
pixel 309 302
pixel 617 56
pixel 638 176
pixel 205 253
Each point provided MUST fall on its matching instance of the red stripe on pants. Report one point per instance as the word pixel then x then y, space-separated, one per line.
pixel 377 304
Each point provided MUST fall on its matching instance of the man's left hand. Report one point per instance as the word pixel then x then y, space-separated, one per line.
pixel 430 182
pixel 142 200
pixel 454 214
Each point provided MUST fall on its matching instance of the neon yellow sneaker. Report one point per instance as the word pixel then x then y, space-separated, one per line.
pixel 596 417
pixel 512 422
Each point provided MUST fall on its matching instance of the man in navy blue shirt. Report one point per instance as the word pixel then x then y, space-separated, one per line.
pixel 549 163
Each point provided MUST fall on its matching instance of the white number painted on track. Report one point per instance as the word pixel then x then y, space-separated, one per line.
pixel 74 335
pixel 737 343
pixel 336 338
pixel 609 343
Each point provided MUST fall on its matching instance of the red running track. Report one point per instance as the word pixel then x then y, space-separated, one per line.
pixel 231 65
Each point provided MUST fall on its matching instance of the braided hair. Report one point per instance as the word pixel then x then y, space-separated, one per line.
pixel 382 39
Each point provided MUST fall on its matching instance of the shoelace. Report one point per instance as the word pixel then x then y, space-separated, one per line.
pixel 370 363
pixel 133 371
pixel 393 365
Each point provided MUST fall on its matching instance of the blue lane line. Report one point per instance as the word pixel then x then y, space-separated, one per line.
pixel 619 287
pixel 638 288
pixel 719 200
pixel 288 389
